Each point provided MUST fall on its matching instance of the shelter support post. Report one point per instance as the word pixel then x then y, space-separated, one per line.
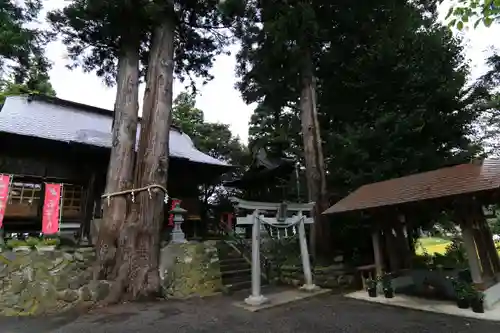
pixel 472 255
pixel 391 248
pixel 487 236
pixel 402 240
pixel 256 298
pixel 306 263
pixel 482 251
pixel 377 253
pixel 495 260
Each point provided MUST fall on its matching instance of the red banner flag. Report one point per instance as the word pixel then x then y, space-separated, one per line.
pixel 50 219
pixel 171 216
pixel 4 195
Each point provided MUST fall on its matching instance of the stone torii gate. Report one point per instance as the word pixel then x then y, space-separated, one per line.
pixel 281 220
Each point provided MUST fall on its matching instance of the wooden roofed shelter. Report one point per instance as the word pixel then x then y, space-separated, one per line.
pixel 394 206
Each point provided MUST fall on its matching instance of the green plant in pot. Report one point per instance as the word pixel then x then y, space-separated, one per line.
pixel 371 287
pixel 476 298
pixel 462 292
pixel 386 281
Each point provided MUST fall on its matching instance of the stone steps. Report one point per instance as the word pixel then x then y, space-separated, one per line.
pixel 236 271
pixel 237 286
pixel 234 264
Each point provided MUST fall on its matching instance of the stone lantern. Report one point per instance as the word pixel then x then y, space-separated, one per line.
pixel 177 234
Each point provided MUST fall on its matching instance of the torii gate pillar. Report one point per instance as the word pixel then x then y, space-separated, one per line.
pixel 298 219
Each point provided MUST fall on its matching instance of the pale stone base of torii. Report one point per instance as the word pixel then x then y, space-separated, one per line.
pixel 255 219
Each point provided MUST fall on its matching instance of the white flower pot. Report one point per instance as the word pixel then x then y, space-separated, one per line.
pixel 21 249
pixel 45 248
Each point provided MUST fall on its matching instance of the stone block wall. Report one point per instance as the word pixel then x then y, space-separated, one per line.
pixel 34 283
pixel 190 269
pixel 332 277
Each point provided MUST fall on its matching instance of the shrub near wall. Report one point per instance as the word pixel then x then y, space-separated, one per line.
pixel 190 269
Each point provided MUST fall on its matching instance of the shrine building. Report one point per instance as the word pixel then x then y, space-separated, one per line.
pixel 50 140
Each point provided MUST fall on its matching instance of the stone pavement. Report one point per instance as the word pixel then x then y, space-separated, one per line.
pixel 328 314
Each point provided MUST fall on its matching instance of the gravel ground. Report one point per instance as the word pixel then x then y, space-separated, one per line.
pixel 328 313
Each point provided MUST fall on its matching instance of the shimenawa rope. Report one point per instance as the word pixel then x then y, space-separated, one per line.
pixel 135 190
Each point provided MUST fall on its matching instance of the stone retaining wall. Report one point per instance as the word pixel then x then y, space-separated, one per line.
pixel 34 283
pixel 190 269
pixel 332 277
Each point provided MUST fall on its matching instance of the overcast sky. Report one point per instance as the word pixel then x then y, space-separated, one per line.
pixel 219 100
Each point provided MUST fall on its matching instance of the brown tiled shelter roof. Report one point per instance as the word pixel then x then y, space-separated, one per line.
pixel 460 179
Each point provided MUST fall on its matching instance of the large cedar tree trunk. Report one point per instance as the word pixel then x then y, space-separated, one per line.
pixel 121 163
pixel 315 169
pixel 130 243
pixel 152 164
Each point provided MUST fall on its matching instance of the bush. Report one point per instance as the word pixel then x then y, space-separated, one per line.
pixel 12 243
pixel 51 241
pixel 32 241
pixel 456 253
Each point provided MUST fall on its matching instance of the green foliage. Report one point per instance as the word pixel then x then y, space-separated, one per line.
pixel 462 288
pixel 50 241
pixel 32 241
pixel 475 294
pixel 13 89
pixel 389 80
pixel 489 121
pixel 371 283
pixel 454 257
pixel 477 11
pixel 456 252
pixel 94 32
pixel 386 281
pixel 284 251
pixel 214 139
pixel 13 243
pixel 23 65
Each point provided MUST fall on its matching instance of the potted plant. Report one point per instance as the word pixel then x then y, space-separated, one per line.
pixel 461 292
pixel 386 280
pixel 18 245
pixel 47 244
pixel 371 287
pixel 476 300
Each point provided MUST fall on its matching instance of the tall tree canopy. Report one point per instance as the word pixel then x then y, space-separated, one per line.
pixel 93 32
pixel 23 65
pixel 392 95
pixel 488 124
pixel 462 12
pixel 283 37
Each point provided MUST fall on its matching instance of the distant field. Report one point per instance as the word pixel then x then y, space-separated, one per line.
pixel 433 245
